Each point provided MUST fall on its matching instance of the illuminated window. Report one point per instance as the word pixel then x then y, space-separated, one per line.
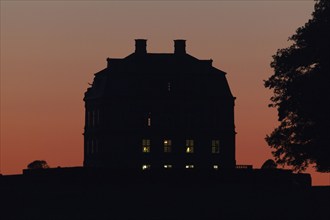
pixel 216 167
pixel 189 166
pixel 167 146
pixel 146 167
pixel 168 166
pixel 215 146
pixel 146 145
pixel 189 146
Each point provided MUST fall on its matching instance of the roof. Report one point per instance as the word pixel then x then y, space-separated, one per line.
pixel 143 73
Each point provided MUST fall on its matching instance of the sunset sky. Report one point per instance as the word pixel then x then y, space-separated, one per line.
pixel 51 49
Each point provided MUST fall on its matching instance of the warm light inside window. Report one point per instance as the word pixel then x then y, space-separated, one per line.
pixel 215 146
pixel 168 166
pixel 216 167
pixel 146 146
pixel 189 166
pixel 146 167
pixel 189 146
pixel 146 149
pixel 167 146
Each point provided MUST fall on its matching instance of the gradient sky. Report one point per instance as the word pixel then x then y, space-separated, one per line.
pixel 50 51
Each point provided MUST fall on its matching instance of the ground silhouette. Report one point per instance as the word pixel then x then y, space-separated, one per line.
pixel 77 193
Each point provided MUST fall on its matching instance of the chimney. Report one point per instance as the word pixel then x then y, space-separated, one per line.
pixel 140 46
pixel 180 46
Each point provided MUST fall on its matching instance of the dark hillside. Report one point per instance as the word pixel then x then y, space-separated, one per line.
pixel 91 196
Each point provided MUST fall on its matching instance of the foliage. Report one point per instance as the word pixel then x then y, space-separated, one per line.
pixel 38 164
pixel 269 164
pixel 301 89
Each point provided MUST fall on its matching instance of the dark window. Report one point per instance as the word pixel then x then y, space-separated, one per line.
pixel 169 86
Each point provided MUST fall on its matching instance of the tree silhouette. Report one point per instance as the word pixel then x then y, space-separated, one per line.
pixel 38 164
pixel 269 164
pixel 302 95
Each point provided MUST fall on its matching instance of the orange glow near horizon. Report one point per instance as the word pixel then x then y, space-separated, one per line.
pixel 50 51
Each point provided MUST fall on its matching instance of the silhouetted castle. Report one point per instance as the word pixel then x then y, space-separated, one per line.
pixel 159 111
